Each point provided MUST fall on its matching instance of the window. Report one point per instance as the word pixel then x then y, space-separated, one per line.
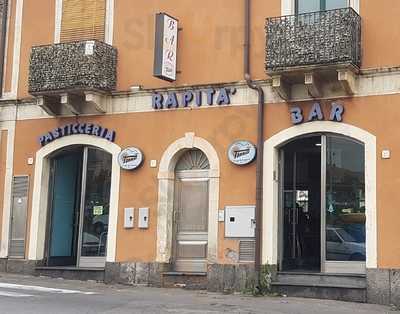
pixel 306 6
pixel 331 236
pixel 83 20
pixel 3 36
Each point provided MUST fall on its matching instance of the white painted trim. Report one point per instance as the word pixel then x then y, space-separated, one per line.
pixel 58 21
pixel 10 127
pixel 109 31
pixel 17 48
pixel 355 4
pixel 166 176
pixel 40 193
pixel 109 22
pixel 288 6
pixel 271 186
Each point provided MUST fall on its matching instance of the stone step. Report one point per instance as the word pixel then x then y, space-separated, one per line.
pixel 195 281
pixel 356 280
pixel 321 291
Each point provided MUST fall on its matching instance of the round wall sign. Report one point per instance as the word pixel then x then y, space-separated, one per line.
pixel 130 158
pixel 242 152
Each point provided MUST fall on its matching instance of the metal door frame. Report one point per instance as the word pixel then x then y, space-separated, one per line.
pixel 351 267
pixel 81 261
pixel 49 214
pixel 326 266
pixel 87 261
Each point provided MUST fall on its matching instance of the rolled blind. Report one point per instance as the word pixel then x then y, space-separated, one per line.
pixel 83 20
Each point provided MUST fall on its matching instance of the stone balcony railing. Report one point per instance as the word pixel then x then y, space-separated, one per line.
pixel 69 72
pixel 313 45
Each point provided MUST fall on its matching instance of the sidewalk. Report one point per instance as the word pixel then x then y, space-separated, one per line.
pixel 25 294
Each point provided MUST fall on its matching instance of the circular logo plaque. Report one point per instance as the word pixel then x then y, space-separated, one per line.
pixel 242 152
pixel 130 158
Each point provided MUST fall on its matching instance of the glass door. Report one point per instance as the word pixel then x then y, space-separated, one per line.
pixel 301 205
pixel 65 179
pixel 322 205
pixel 95 207
pixel 344 206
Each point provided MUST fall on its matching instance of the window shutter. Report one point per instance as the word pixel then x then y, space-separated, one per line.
pixel 83 20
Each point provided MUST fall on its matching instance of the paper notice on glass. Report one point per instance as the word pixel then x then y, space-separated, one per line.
pixel 97 210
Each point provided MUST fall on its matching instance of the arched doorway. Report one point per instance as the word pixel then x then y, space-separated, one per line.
pixel 191 211
pixel 322 204
pixel 79 206
pixel 271 200
pixel 166 196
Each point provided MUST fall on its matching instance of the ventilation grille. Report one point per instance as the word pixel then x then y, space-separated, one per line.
pixel 18 217
pixel 20 186
pixel 247 251
pixel 17 248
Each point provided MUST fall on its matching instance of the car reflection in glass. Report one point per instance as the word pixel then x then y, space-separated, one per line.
pixel 344 244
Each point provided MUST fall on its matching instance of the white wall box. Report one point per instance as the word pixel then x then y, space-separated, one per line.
pixel 239 221
pixel 129 217
pixel 143 218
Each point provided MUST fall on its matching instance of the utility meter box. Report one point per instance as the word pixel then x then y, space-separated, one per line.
pixel 240 221
pixel 129 217
pixel 143 218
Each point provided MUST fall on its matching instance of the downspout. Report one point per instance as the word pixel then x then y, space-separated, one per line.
pixel 260 141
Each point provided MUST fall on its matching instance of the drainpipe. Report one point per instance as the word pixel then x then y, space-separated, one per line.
pixel 260 140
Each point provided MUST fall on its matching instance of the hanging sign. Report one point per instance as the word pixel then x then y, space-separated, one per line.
pixel 316 113
pixel 130 158
pixel 165 48
pixel 77 128
pixel 242 152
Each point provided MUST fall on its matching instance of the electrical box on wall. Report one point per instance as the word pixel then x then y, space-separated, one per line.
pixel 143 218
pixel 129 217
pixel 240 221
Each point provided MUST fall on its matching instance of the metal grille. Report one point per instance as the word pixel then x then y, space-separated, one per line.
pixel 20 186
pixel 247 251
pixel 20 190
pixel 318 38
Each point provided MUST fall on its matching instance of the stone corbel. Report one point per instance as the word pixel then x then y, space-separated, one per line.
pixel 72 102
pixel 97 100
pixel 348 81
pixel 281 87
pixel 312 84
pixel 48 105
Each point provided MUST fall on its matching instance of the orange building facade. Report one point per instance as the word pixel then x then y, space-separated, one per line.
pixel 112 173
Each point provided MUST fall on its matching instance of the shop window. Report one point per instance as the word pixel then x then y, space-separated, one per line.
pixel 306 6
pixel 83 20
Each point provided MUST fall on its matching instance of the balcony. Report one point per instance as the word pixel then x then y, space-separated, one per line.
pixel 72 78
pixel 314 49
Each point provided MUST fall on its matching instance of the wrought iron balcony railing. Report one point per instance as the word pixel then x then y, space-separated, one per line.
pixel 313 39
pixel 85 65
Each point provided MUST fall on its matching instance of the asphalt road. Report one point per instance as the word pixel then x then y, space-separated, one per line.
pixel 23 294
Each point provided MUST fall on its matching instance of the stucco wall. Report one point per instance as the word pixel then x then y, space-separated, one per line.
pixel 153 132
